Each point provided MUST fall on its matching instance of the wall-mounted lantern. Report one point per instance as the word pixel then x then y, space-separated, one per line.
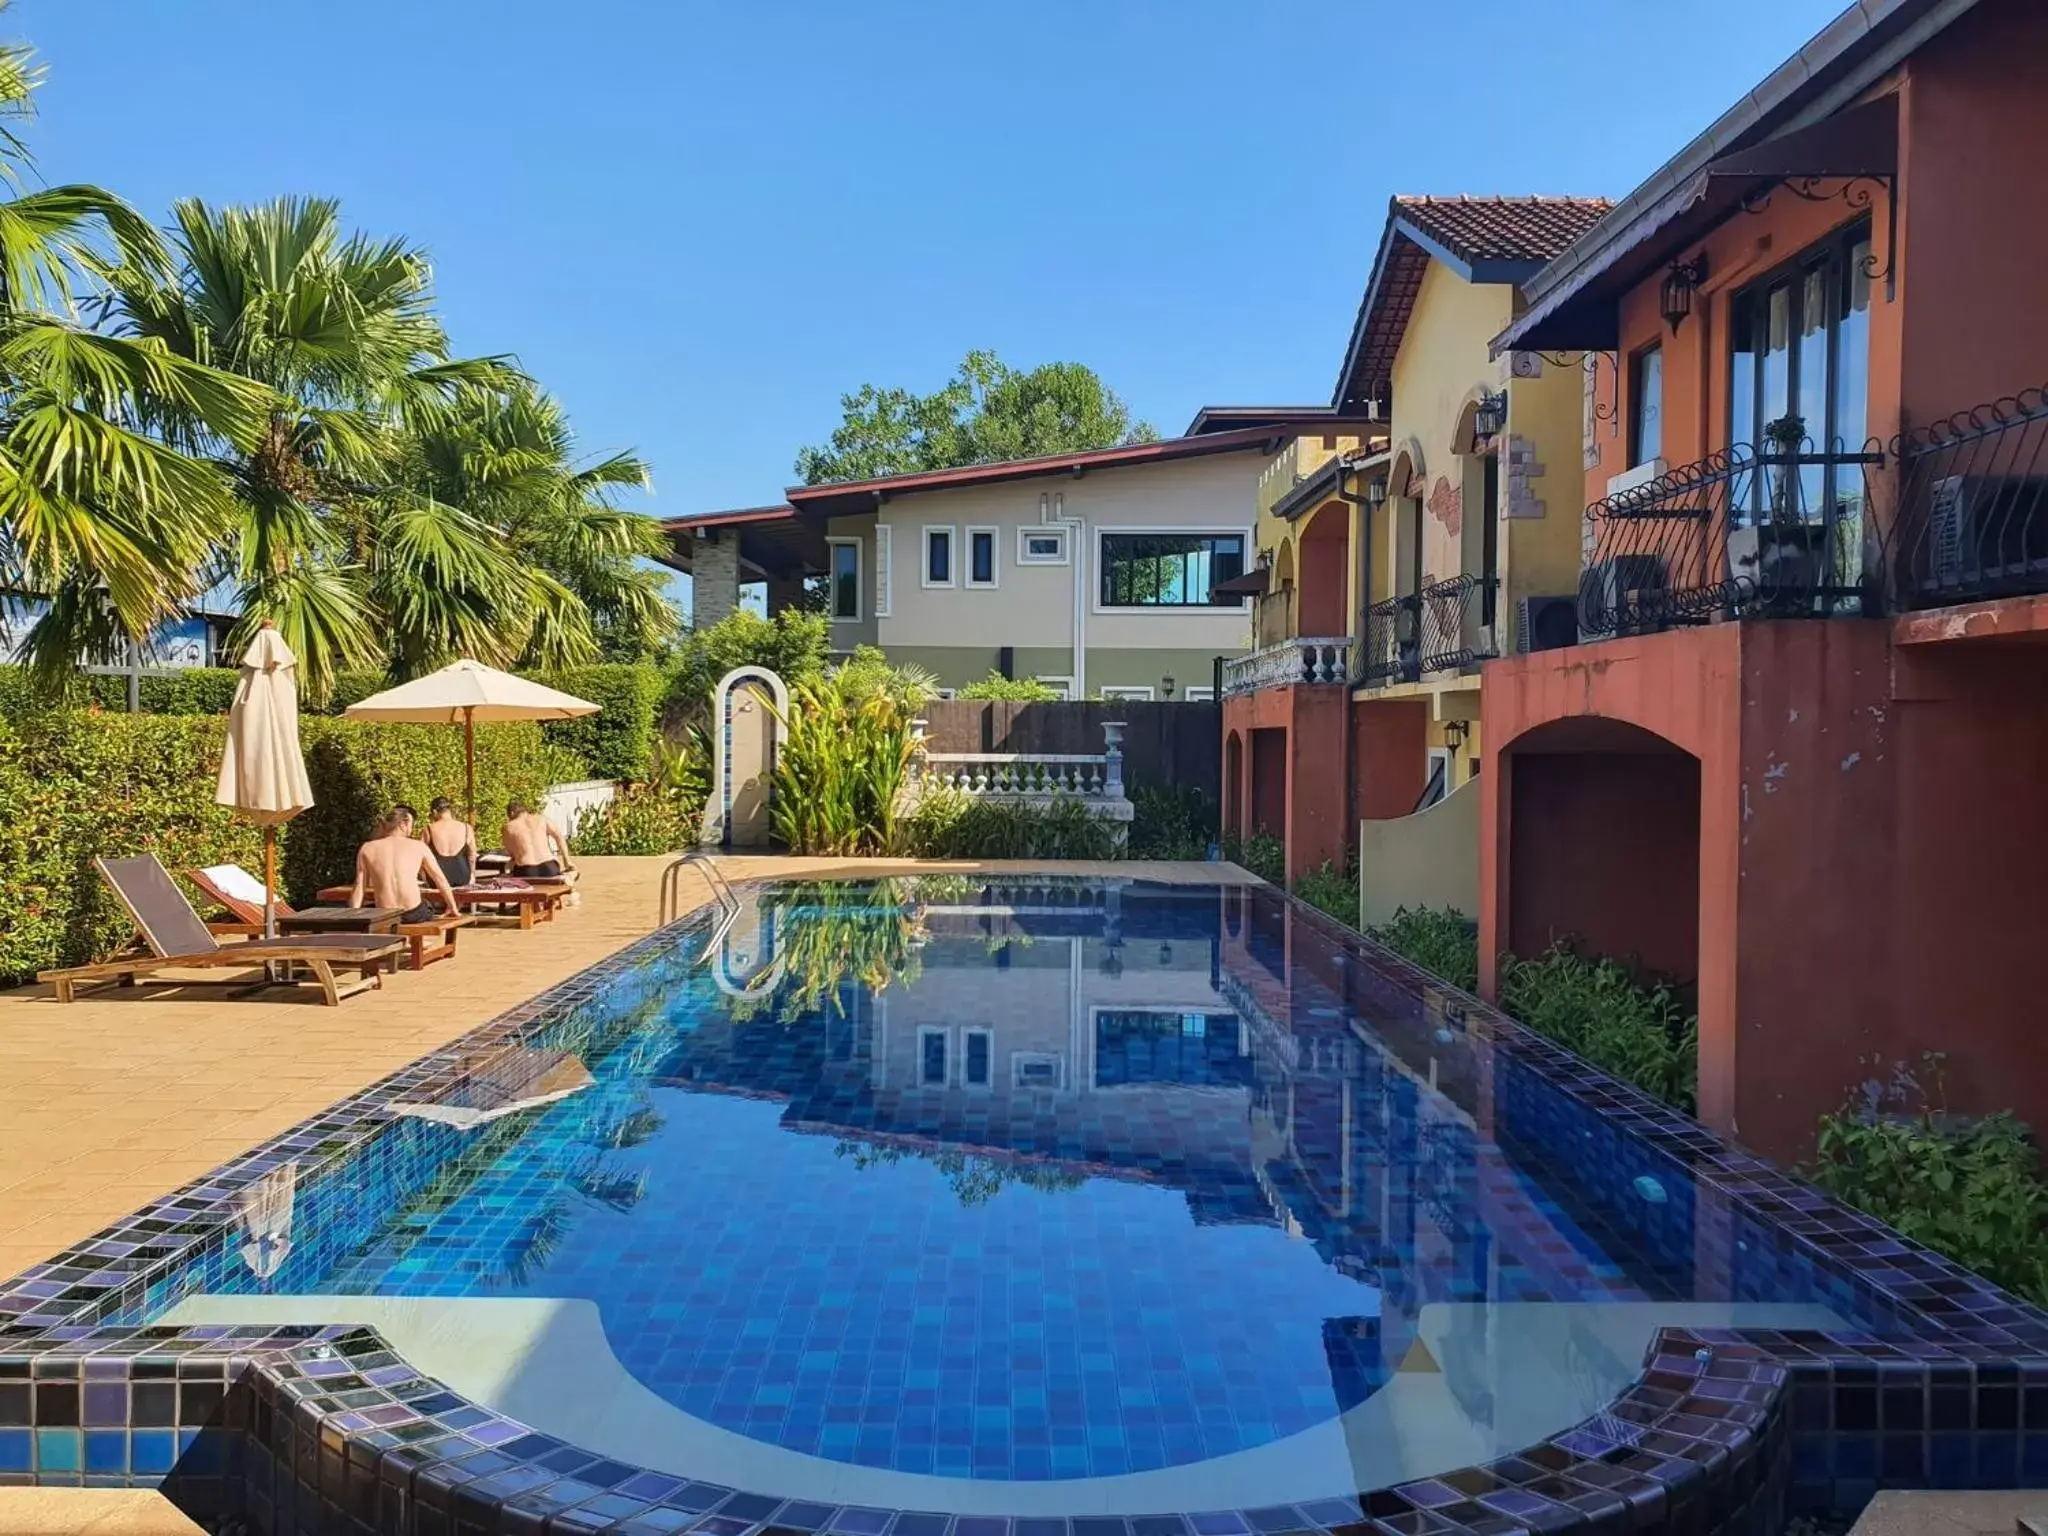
pixel 1489 416
pixel 1674 298
pixel 1376 493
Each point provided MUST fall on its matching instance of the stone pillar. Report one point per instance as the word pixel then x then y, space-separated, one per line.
pixel 714 576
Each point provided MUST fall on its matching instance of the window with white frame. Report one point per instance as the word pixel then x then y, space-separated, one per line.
pixel 977 1057
pixel 938 557
pixel 1041 546
pixel 1169 569
pixel 931 1058
pixel 1200 695
pixel 1063 686
pixel 1142 691
pixel 981 557
pixel 845 587
pixel 1038 1069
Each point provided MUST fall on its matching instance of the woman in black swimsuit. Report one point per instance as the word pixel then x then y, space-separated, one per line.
pixel 453 842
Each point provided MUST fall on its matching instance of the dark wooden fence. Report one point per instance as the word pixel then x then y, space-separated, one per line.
pixel 1177 743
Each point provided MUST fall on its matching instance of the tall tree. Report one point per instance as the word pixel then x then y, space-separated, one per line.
pixel 583 587
pixel 104 520
pixel 987 412
pixel 400 506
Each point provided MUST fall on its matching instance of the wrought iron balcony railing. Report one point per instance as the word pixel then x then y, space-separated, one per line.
pixel 1970 519
pixel 1447 626
pixel 1739 534
pixel 1323 659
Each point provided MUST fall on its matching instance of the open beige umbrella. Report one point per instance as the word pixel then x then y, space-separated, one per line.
pixel 262 774
pixel 469 691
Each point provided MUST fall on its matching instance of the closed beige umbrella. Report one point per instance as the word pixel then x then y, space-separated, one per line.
pixel 468 691
pixel 262 774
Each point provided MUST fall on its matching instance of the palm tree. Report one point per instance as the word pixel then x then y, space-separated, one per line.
pixel 400 507
pixel 328 541
pixel 508 457
pixel 104 520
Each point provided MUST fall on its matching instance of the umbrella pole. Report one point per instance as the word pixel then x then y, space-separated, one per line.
pixel 270 882
pixel 469 756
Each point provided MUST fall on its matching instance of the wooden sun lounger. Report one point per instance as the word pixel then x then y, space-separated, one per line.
pixel 166 923
pixel 535 901
pixel 246 917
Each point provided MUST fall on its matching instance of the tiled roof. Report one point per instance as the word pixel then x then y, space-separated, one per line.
pixel 1502 228
pixel 1488 239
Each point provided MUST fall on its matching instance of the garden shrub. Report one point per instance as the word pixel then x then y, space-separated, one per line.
pixel 663 815
pixel 1640 1034
pixel 1259 854
pixel 1596 1008
pixel 1332 889
pixel 948 824
pixel 75 784
pixel 1171 821
pixel 618 741
pixel 1969 1189
pixel 642 819
pixel 792 644
pixel 1018 690
pixel 1443 942
pixel 190 691
pixel 841 768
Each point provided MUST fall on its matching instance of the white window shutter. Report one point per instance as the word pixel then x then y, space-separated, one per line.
pixel 882 571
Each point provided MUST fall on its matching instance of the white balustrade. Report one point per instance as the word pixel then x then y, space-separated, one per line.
pixel 1317 659
pixel 1094 777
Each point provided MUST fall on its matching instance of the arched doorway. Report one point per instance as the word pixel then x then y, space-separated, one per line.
pixel 1324 540
pixel 1603 845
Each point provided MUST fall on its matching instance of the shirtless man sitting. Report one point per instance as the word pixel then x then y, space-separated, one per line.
pixel 388 870
pixel 532 841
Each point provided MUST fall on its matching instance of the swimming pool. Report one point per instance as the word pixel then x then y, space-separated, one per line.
pixel 1020 1201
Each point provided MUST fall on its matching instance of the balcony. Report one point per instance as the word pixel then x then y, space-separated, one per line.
pixel 1325 659
pixel 1449 626
pixel 1971 523
pixel 1741 534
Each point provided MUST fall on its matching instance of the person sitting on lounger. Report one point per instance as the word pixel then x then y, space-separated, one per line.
pixel 532 841
pixel 388 870
pixel 452 840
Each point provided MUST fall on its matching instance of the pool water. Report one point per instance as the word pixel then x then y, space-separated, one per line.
pixel 1022 1186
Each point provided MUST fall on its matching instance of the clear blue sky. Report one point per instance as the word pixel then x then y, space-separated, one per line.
pixel 700 224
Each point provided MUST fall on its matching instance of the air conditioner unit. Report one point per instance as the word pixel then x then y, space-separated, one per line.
pixel 1951 528
pixel 1614 594
pixel 1546 623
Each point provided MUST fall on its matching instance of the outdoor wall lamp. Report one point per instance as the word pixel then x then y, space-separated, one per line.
pixel 1376 494
pixel 1489 415
pixel 1166 687
pixel 1674 298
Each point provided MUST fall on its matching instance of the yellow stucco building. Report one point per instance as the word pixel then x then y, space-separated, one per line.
pixel 1396 559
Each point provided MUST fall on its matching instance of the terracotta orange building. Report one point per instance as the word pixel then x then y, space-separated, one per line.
pixel 1799 750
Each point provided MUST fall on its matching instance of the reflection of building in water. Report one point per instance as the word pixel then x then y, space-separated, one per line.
pixel 1208 1046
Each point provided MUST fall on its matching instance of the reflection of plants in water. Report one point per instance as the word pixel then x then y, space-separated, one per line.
pixel 595 1177
pixel 619 1132
pixel 830 933
pixel 975 1180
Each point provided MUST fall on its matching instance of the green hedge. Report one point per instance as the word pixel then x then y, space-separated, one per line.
pixel 359 768
pixel 614 743
pixel 76 783
pixel 193 691
pixel 618 741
